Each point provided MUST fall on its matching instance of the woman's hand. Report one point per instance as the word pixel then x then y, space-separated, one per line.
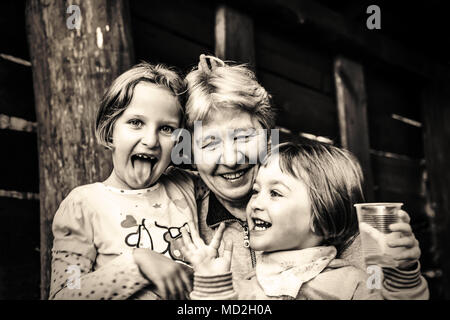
pixel 170 278
pixel 404 240
pixel 204 258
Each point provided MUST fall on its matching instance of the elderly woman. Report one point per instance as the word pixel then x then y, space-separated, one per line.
pixel 227 111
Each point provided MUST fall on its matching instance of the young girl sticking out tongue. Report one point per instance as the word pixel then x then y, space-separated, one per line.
pixel 121 238
pixel 301 215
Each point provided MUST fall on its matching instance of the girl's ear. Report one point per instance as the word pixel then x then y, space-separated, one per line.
pixel 312 226
pixel 110 144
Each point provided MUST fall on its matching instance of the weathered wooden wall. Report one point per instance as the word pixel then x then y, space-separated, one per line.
pixel 19 179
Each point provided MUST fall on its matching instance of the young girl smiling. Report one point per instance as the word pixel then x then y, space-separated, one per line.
pixel 301 215
pixel 123 235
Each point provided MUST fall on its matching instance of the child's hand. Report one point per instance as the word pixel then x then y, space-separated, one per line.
pixel 204 258
pixel 403 238
pixel 170 278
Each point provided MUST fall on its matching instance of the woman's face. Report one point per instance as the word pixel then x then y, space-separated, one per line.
pixel 227 148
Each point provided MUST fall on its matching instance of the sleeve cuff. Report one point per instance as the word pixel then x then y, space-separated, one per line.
pixel 218 287
pixel 397 279
pixel 70 245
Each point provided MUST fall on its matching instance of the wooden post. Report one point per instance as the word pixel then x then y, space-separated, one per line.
pixel 352 113
pixel 436 119
pixel 234 37
pixel 71 70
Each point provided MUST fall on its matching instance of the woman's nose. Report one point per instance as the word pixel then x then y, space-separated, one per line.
pixel 231 155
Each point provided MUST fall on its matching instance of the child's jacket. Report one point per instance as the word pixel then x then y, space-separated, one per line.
pixel 312 274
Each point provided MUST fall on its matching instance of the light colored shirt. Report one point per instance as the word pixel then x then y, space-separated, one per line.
pixel 96 228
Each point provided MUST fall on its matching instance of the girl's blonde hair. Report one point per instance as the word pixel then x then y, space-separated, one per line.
pixel 118 96
pixel 226 86
pixel 334 180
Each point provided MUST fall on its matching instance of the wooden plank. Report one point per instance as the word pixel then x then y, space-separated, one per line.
pixel 403 176
pixel 16 124
pixel 20 269
pixel 337 31
pixel 352 114
pixel 16 90
pixel 193 20
pixel 156 44
pixel 234 36
pixel 300 108
pixel 293 59
pixel 436 117
pixel 19 161
pixel 391 135
pixel 71 70
pixel 390 91
pixel 393 100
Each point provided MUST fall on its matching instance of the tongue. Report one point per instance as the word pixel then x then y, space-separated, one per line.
pixel 142 170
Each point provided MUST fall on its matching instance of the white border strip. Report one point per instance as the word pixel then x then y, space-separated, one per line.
pixel 407 120
pixel 19 195
pixel 15 60
pixel 17 124
pixel 395 156
pixel 316 138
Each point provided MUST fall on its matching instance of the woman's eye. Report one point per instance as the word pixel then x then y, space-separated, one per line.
pixel 274 193
pixel 167 130
pixel 245 136
pixel 136 123
pixel 210 143
pixel 242 138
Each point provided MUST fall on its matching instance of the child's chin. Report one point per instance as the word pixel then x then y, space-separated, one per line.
pixel 258 246
pixel 142 185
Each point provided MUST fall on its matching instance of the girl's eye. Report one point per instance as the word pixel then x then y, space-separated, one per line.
pixel 167 130
pixel 274 193
pixel 136 123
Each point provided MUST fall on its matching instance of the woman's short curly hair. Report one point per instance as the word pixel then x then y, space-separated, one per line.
pixel 226 86
pixel 118 96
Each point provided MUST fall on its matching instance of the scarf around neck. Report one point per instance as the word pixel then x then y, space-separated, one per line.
pixel 283 272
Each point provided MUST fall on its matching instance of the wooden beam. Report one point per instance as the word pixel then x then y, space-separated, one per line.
pixel 234 36
pixel 436 119
pixel 335 30
pixel 71 70
pixel 352 115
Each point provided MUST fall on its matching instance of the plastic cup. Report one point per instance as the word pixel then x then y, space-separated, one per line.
pixel 374 220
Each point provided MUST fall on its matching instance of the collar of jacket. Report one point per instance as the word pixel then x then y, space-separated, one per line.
pixel 217 212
